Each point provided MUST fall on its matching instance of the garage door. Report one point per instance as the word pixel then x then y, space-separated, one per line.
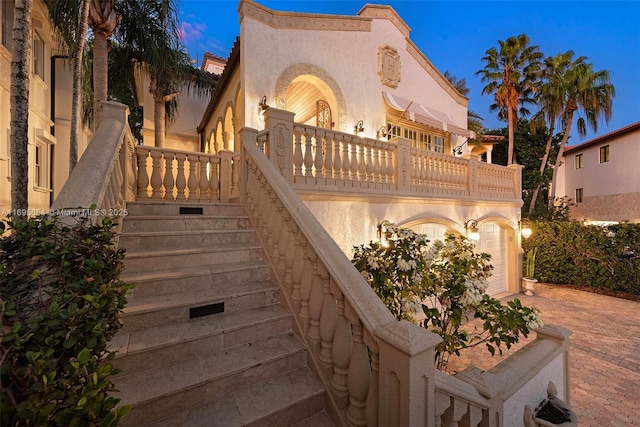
pixel 493 241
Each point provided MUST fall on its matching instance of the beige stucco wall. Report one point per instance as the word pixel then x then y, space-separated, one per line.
pixel 353 221
pixel 346 49
pixel 611 190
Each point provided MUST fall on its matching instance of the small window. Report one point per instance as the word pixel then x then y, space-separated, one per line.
pixel 6 22
pixel 578 195
pixel 393 130
pixel 578 161
pixel 604 154
pixel 438 144
pixel 38 55
pixel 412 135
pixel 39 166
pixel 425 141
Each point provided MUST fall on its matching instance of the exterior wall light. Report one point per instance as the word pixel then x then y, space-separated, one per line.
pixel 359 128
pixel 381 133
pixel 472 230
pixel 525 230
pixel 384 235
pixel 263 104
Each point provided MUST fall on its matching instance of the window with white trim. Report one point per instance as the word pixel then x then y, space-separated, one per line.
pixel 604 154
pixel 438 144
pixel 38 55
pixel 42 159
pixel 579 161
pixel 420 138
pixel 579 195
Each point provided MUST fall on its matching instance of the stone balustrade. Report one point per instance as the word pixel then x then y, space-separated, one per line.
pixel 183 176
pixel 317 159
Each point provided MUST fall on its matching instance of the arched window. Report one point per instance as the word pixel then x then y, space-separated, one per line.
pixel 323 115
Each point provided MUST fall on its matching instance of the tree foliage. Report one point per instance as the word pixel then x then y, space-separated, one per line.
pixel 61 296
pixel 441 286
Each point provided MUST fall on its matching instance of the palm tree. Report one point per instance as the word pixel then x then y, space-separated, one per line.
pixel 550 100
pixel 584 90
pixel 103 20
pixel 69 19
pixel 20 74
pixel 511 73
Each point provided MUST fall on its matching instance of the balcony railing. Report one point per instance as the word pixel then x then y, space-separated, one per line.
pixel 317 159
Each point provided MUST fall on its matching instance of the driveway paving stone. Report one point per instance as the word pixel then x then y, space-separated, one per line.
pixel 605 352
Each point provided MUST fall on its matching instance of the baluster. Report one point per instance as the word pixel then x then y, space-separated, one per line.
pixel 235 175
pixel 213 179
pixel 156 181
pixel 369 164
pixel 168 176
pixel 319 151
pixel 362 167
pixel 193 179
pixel 328 157
pixel 297 153
pixel 289 255
pixel 373 394
pixel 337 161
pixel 204 180
pixel 359 377
pixel 454 413
pixel 143 177
pixel 181 182
pixel 305 287
pixel 353 170
pixel 390 173
pixel 275 229
pixel 315 302
pixel 327 324
pixel 308 155
pixel 346 165
pixel 297 270
pixel 283 236
pixel 341 351
pixel 376 163
pixel 383 164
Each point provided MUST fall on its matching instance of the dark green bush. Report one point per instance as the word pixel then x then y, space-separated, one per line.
pixel 61 296
pixel 570 252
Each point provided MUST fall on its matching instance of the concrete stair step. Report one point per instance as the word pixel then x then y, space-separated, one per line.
pixel 152 311
pixel 320 419
pixel 165 259
pixel 291 398
pixel 164 345
pixel 150 240
pixel 156 394
pixel 143 223
pixel 193 279
pixel 163 209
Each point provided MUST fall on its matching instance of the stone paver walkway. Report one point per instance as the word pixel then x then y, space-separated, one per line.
pixel 605 352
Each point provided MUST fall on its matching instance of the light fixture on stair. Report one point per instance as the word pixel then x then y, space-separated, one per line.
pixel 359 128
pixel 472 230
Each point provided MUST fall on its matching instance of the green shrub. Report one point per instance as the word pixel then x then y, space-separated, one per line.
pixel 61 296
pixel 570 252
pixel 444 284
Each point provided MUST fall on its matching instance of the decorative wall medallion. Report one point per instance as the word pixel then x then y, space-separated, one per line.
pixel 389 66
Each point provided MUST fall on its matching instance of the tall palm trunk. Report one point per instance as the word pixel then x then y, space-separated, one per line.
pixel 20 73
pixel 159 121
pixel 571 108
pixel 511 125
pixel 76 102
pixel 543 166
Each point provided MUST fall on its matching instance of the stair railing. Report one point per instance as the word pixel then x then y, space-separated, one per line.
pixel 104 178
pixel 376 370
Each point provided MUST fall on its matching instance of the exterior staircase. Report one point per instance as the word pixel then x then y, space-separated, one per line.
pixel 205 340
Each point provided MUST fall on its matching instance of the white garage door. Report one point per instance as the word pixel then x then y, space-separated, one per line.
pixel 493 241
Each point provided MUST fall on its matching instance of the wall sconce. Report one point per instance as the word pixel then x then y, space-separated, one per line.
pixel 382 132
pixel 525 230
pixel 472 230
pixel 384 235
pixel 263 104
pixel 359 128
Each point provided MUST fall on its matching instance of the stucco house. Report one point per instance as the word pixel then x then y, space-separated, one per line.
pixel 247 310
pixel 49 112
pixel 601 177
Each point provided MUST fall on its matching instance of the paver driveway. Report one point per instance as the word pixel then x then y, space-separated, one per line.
pixel 605 352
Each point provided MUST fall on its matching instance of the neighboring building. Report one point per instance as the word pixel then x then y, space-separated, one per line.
pixel 363 74
pixel 49 112
pixel 213 63
pixel 602 178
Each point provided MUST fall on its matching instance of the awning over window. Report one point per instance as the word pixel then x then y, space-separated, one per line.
pixel 427 116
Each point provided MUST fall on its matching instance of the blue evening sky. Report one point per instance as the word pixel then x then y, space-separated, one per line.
pixel 455 34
